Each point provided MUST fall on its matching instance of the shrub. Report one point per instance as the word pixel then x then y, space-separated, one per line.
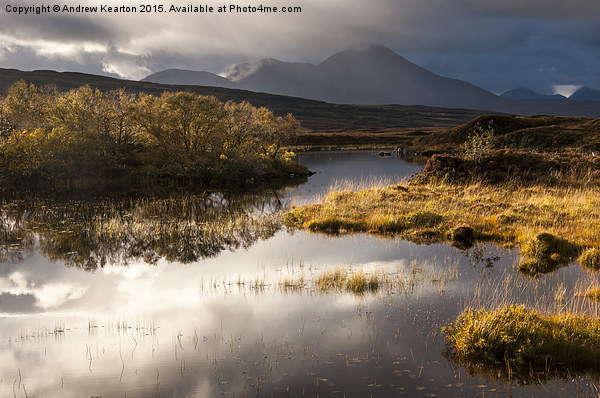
pixel 478 143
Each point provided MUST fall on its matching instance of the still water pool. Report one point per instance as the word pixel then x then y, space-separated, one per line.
pixel 210 296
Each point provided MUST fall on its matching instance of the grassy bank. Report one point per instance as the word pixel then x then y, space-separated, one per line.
pixel 552 225
pixel 350 139
pixel 531 133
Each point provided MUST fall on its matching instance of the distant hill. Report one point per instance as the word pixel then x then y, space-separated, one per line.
pixel 585 94
pixel 373 74
pixel 316 116
pixel 190 77
pixel 522 93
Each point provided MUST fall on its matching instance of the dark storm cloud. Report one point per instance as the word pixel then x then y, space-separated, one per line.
pixel 57 27
pixel 495 44
pixel 534 9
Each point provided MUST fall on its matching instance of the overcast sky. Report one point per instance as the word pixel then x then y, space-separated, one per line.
pixel 546 45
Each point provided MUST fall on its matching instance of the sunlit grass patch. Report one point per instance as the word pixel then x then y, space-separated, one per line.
pixel 545 253
pixel 511 214
pixel 516 338
pixel 357 282
pixel 332 279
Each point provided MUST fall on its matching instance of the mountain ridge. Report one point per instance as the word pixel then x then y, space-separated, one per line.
pixel 373 74
pixel 369 74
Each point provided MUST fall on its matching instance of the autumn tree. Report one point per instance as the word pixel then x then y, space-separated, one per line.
pixel 89 133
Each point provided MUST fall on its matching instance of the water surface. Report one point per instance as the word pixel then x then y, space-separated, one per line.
pixel 185 297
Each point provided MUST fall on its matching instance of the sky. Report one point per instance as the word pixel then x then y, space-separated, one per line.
pixel 547 45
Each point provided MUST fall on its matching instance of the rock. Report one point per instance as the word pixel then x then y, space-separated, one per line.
pixel 384 153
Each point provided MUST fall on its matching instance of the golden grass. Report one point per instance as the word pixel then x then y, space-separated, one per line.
pixel 518 338
pixel 345 280
pixel 510 214
pixel 528 329
pixel 357 282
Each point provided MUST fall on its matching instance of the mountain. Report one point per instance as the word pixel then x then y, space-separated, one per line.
pixel 522 94
pixel 586 94
pixel 372 74
pixel 365 74
pixel 189 77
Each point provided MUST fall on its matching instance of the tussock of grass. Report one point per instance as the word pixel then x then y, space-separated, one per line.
pixel 511 214
pixel 590 258
pixel 545 253
pixel 357 282
pixel 519 339
pixel 331 279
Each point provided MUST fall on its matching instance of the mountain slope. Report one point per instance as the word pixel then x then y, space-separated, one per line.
pixel 522 94
pixel 188 77
pixel 277 77
pixel 585 94
pixel 374 74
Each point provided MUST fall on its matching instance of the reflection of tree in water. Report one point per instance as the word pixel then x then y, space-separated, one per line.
pixel 15 239
pixel 184 229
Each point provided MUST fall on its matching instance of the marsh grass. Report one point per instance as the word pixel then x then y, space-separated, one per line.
pixel 592 293
pixel 429 211
pixel 528 329
pixel 519 339
pixel 417 274
pixel 357 282
pixel 545 253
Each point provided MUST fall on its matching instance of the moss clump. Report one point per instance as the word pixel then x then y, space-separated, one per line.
pixel 590 258
pixel 545 253
pixel 521 339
